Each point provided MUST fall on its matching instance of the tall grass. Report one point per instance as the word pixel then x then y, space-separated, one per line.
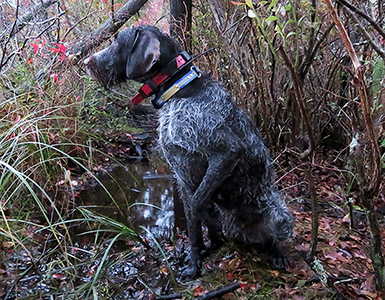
pixel 41 136
pixel 48 125
pixel 35 180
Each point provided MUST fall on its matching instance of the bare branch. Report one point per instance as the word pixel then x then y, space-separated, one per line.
pixel 84 46
pixel 304 68
pixel 376 48
pixel 300 102
pixel 371 178
pixel 220 292
pixel 24 19
pixel 209 295
pixel 344 35
pixel 364 15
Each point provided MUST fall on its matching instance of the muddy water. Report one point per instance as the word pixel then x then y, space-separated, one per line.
pixel 140 195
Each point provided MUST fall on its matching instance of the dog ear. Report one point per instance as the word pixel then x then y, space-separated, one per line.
pixel 144 54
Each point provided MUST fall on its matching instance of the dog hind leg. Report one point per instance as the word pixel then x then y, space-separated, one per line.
pixel 214 228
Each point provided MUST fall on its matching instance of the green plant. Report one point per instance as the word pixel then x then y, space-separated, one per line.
pixel 40 136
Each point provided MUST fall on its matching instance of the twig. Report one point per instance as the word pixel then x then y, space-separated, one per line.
pixel 209 295
pixel 364 15
pixel 309 51
pixel 74 25
pixel 24 19
pixel 304 68
pixel 300 102
pixel 360 84
pixel 171 296
pixel 323 276
pixel 6 40
pixel 370 185
pixel 220 292
pixel 4 60
pixel 374 45
pixel 85 45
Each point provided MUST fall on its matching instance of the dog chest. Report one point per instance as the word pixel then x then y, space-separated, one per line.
pixel 188 124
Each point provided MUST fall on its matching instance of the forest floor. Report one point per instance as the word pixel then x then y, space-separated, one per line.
pixel 343 245
pixel 135 271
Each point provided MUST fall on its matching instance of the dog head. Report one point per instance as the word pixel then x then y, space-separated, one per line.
pixel 136 54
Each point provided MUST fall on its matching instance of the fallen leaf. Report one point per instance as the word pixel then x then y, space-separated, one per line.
pixel 199 291
pixel 164 270
pixel 275 273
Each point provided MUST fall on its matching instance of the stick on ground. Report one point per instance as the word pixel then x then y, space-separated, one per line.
pixel 209 295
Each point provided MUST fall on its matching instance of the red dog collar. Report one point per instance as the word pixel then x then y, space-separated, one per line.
pixel 152 85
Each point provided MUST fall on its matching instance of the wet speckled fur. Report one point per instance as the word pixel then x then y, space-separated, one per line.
pixel 223 169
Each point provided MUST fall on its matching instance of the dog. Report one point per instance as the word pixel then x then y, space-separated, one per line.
pixel 222 168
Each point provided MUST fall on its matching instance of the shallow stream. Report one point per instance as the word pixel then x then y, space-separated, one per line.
pixel 140 195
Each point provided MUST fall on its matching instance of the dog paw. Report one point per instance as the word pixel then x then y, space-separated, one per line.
pixel 279 259
pixel 281 262
pixel 189 273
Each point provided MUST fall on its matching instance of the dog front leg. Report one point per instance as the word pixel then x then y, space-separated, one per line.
pixel 194 229
pixel 220 166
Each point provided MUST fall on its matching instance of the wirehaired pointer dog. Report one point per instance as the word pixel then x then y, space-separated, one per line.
pixel 222 168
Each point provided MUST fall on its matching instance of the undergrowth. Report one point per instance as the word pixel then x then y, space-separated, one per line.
pixel 53 119
pixel 50 123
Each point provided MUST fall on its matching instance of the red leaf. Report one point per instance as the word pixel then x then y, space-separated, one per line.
pixel 62 48
pixel 199 291
pixel 58 276
pixel 55 77
pixel 35 47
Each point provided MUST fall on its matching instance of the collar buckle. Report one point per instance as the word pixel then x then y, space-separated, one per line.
pixel 160 100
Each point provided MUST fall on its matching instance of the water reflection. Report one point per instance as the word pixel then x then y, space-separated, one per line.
pixel 141 194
